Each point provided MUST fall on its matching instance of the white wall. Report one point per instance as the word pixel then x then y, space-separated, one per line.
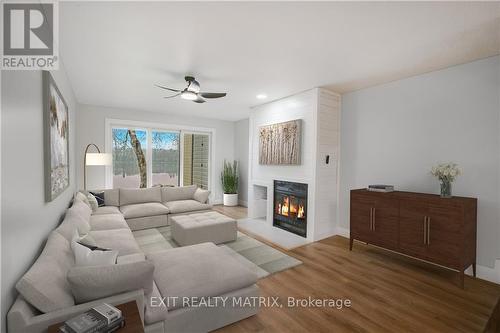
pixel 91 129
pixel 300 106
pixel 326 174
pixel 394 133
pixel 27 219
pixel 241 155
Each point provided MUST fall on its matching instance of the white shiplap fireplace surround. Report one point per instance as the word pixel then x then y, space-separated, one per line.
pixel 319 110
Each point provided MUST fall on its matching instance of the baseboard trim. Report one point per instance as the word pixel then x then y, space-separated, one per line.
pixel 242 203
pixel 482 272
pixel 491 274
pixel 342 232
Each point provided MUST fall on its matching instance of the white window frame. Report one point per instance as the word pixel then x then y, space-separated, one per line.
pixel 111 123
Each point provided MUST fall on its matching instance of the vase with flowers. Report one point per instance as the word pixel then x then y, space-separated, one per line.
pixel 446 173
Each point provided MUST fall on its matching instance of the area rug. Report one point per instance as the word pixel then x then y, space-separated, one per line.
pixel 257 256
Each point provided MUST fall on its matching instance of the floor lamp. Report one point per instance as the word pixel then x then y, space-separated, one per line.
pixel 94 159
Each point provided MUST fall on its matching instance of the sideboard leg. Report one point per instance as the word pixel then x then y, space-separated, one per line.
pixel 350 244
pixel 474 269
pixel 462 279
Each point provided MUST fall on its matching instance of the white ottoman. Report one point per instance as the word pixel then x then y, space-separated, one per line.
pixel 203 227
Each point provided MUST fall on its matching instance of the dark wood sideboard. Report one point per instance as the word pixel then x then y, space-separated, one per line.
pixel 425 226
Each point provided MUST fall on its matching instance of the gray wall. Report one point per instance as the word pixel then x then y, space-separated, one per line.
pixel 26 219
pixel 394 133
pixel 241 155
pixel 91 128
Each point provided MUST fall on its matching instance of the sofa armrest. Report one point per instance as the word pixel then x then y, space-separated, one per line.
pixel 23 318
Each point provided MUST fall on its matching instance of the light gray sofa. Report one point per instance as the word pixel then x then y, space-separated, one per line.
pixel 152 207
pixel 203 270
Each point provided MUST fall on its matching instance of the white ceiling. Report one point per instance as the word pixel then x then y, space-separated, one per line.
pixel 114 52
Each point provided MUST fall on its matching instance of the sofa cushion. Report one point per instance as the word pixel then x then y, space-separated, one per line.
pixel 178 193
pixel 94 282
pixel 121 240
pixel 148 222
pixel 81 208
pixel 45 285
pixel 201 195
pixel 130 258
pixel 183 206
pixel 77 217
pixel 108 222
pixel 143 210
pixel 106 210
pixel 67 228
pixel 139 195
pixel 210 269
pixel 112 197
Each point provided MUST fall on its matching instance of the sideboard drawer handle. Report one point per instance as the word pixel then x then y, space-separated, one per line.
pixel 425 229
pixel 428 231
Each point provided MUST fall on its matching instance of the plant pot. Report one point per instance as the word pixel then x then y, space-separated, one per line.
pixel 230 199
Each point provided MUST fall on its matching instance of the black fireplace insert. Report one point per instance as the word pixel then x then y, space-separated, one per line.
pixel 290 207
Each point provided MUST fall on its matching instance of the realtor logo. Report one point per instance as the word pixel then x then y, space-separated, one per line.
pixel 29 36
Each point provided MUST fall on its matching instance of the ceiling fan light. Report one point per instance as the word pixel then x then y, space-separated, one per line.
pixel 189 95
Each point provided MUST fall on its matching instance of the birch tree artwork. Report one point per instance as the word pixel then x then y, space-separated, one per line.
pixel 280 143
pixel 56 131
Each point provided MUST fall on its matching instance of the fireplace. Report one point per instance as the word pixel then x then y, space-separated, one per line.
pixel 290 207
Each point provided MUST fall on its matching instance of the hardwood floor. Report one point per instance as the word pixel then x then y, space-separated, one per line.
pixel 389 293
pixel 237 212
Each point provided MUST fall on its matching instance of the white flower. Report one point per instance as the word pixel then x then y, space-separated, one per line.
pixel 446 171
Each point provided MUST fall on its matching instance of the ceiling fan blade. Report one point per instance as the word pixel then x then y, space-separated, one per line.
pixel 212 95
pixel 162 87
pixel 174 95
pixel 199 100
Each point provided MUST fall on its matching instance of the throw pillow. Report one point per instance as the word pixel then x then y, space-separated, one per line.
pixel 90 283
pixel 87 240
pixel 201 195
pixel 82 197
pixel 99 196
pixel 92 201
pixel 84 256
pixel 93 248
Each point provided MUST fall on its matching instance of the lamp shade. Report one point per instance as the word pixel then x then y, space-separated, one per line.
pixel 99 159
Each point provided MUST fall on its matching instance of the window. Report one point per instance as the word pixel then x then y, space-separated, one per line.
pixel 166 170
pixel 149 156
pixel 196 159
pixel 129 158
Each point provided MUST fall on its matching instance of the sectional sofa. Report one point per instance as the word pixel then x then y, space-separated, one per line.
pixel 55 289
pixel 152 207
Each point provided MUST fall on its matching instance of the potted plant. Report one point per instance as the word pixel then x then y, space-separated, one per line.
pixel 229 179
pixel 446 173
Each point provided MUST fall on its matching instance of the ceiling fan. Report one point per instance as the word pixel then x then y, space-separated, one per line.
pixel 192 91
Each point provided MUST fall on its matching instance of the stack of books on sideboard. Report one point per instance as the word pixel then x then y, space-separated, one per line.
pixel 101 319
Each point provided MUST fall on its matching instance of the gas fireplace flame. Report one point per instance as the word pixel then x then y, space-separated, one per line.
pixel 301 213
pixel 284 207
pixel 287 207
